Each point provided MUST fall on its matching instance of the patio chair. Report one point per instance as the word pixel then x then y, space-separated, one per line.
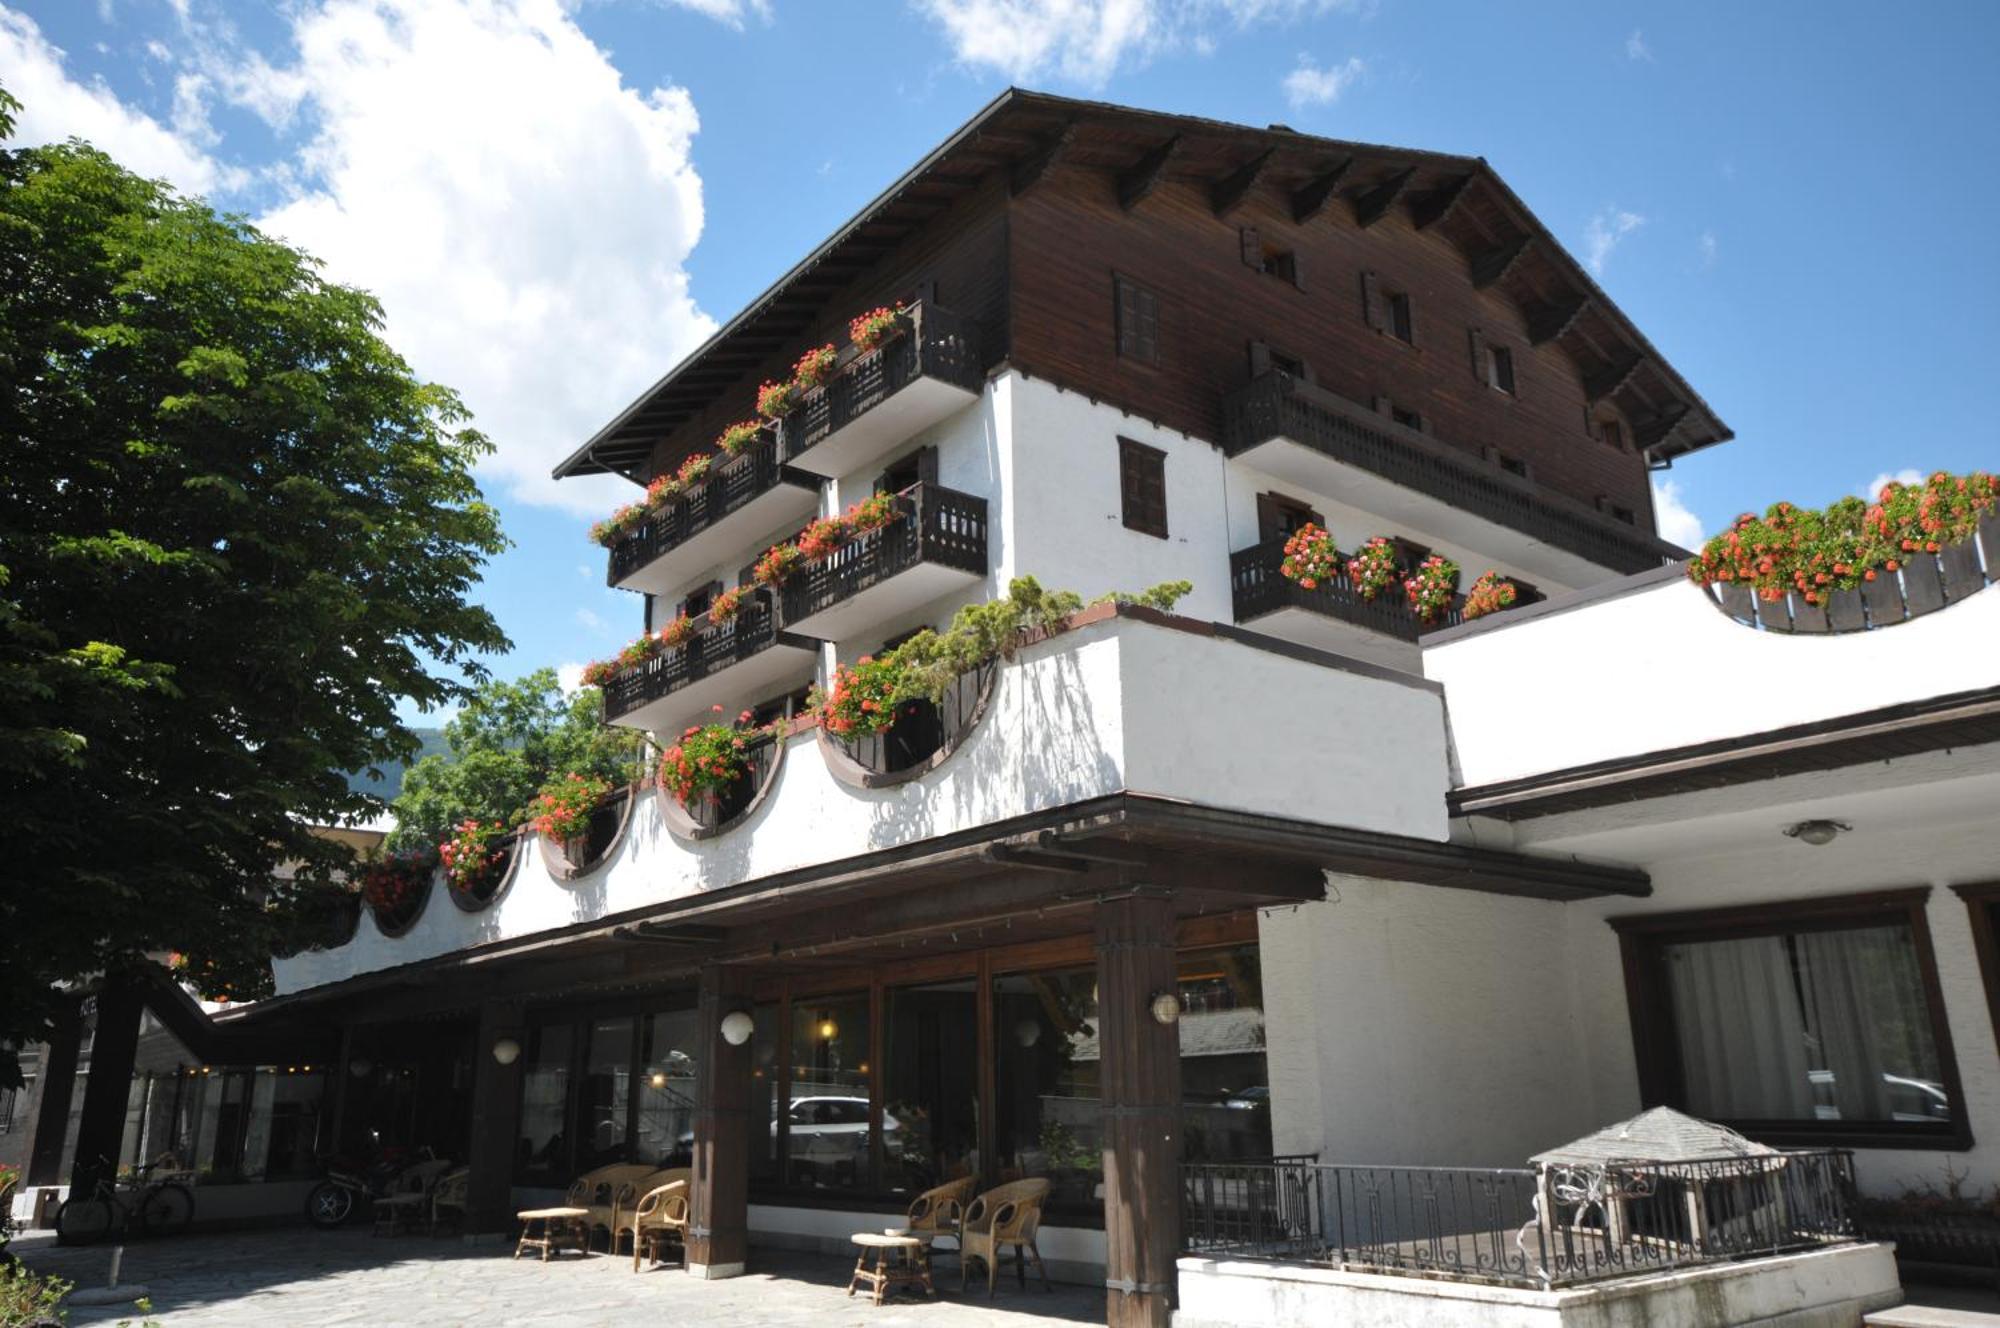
pixel 660 1218
pixel 1008 1215
pixel 937 1212
pixel 597 1192
pixel 448 1199
pixel 407 1205
pixel 628 1195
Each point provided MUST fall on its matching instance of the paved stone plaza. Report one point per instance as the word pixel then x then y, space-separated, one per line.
pixel 300 1276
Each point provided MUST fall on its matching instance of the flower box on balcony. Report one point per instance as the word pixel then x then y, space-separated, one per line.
pixel 880 398
pixel 741 498
pixel 747 656
pixel 937 544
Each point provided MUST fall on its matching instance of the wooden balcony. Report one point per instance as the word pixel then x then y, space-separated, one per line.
pixel 744 499
pixel 937 546
pixel 1330 616
pixel 880 399
pixel 1328 444
pixel 729 665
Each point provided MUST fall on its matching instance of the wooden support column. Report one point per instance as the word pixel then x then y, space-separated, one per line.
pixel 100 1132
pixel 719 1198
pixel 55 1085
pixel 1141 1092
pixel 496 1119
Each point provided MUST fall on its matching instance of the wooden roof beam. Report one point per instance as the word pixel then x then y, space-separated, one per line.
pixel 1612 381
pixel 1661 427
pixel 1444 202
pixel 1495 264
pixel 1374 205
pixel 1047 153
pixel 1146 173
pixel 1555 321
pixel 1311 198
pixel 1229 192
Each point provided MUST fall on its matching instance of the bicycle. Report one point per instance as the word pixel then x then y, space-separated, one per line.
pixel 156 1208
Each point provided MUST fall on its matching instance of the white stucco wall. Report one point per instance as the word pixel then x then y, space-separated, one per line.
pixel 1662 668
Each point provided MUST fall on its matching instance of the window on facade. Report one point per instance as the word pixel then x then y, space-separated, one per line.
pixel 1818 1021
pixel 1611 434
pixel 766 1081
pixel 1408 418
pixel 1500 369
pixel 697 603
pixel 1138 318
pixel 1513 465
pixel 1278 516
pixel 665 1120
pixel 544 1145
pixel 1046 1116
pixel 1225 1076
pixel 1142 484
pixel 826 1120
pixel 1399 320
pixel 930 1092
pixel 1618 512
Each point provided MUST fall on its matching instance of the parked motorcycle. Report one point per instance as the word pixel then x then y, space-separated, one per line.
pixel 349 1187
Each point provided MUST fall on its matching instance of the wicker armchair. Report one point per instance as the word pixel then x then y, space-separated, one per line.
pixel 448 1199
pixel 937 1212
pixel 661 1217
pixel 597 1191
pixel 627 1198
pixel 1008 1215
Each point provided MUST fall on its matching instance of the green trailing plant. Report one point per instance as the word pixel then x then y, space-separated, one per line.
pixel 29 1299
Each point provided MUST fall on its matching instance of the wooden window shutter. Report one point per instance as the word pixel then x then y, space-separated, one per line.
pixel 1373 308
pixel 1270 518
pixel 1253 249
pixel 1298 269
pixel 1138 314
pixel 1260 359
pixel 650 611
pixel 1142 483
pixel 1478 354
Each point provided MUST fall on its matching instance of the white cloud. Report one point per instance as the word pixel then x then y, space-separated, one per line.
pixel 55 107
pixel 1675 521
pixel 1636 48
pixel 1907 475
pixel 528 250
pixel 569 677
pixel 1087 41
pixel 731 12
pixel 1309 85
pixel 1706 250
pixel 588 618
pixel 1603 234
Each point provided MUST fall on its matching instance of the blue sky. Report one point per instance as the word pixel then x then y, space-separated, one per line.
pixel 556 200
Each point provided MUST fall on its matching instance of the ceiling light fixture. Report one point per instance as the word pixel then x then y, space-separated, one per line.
pixel 1817 833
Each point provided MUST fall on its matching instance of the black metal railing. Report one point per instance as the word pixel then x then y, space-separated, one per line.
pixel 936 344
pixel 729 488
pixel 1555 1227
pixel 1258 587
pixel 933 525
pixel 1277 405
pixel 710 813
pixel 1923 583
pixel 708 651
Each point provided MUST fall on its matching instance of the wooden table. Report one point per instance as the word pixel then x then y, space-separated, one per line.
pixel 561 1229
pixel 899 1261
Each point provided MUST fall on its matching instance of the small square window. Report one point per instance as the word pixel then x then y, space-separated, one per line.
pixel 1500 369
pixel 1409 419
pixel 1611 434
pixel 1288 364
pixel 1138 315
pixel 1513 465
pixel 1142 486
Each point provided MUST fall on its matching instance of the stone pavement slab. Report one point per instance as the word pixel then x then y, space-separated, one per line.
pixel 297 1275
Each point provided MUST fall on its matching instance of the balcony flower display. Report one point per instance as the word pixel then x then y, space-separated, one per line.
pixel 619 524
pixel 777 400
pixel 736 437
pixel 877 326
pixel 814 367
pixel 663 490
pixel 872 513
pixel 725 607
pixel 675 633
pixel 1374 567
pixel 1311 557
pixel 821 537
pixel 1815 552
pixel 471 858
pixel 694 470
pixel 779 561
pixel 709 760
pixel 863 697
pixel 562 810
pixel 391 883
pixel 1431 586
pixel 1489 594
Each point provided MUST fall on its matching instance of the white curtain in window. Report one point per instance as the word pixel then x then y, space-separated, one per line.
pixel 1742 1033
pixel 1866 1010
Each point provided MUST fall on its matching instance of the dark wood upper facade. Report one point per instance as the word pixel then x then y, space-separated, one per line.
pixel 1413 284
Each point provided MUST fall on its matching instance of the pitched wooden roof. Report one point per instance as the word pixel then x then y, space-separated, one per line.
pixel 1506 249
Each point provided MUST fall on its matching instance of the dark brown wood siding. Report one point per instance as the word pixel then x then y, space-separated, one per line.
pixel 1068 239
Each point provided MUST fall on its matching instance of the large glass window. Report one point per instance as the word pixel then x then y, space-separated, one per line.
pixel 827 1118
pixel 930 1095
pixel 1819 1022
pixel 606 1092
pixel 544 1146
pixel 1046 1112
pixel 1225 1079
pixel 766 1080
pixel 665 1134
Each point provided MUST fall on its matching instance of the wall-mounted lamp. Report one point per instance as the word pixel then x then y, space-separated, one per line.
pixel 1028 1032
pixel 737 1026
pixel 506 1051
pixel 1817 833
pixel 1166 1007
pixel 360 1067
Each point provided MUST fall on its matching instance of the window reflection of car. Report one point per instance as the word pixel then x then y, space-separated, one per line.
pixel 832 1132
pixel 1248 1099
pixel 1909 1099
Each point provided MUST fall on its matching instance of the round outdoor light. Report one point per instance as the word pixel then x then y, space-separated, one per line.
pixel 506 1051
pixel 360 1066
pixel 1167 1008
pixel 1028 1032
pixel 737 1026
pixel 828 1030
pixel 1816 833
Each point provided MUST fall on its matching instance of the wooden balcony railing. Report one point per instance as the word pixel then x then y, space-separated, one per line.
pixel 1276 405
pixel 709 651
pixel 731 486
pixel 938 344
pixel 1257 588
pixel 937 525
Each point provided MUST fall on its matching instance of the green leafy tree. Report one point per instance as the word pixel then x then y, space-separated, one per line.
pixel 235 533
pixel 509 740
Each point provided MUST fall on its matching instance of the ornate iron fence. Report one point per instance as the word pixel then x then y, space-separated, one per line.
pixel 1277 405
pixel 1549 1228
pixel 937 344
